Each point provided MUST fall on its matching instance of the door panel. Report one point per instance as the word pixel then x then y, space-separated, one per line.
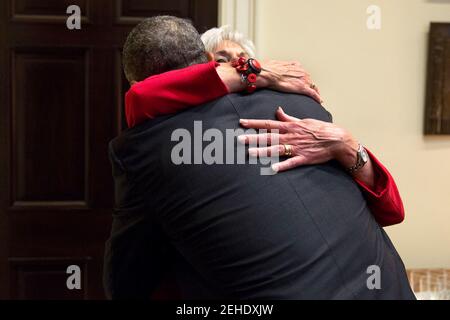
pixel 49 130
pixel 143 8
pixel 61 102
pixel 32 277
pixel 45 8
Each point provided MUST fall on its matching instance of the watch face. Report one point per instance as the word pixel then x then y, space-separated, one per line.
pixel 364 155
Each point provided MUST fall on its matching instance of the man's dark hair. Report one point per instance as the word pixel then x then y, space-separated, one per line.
pixel 161 44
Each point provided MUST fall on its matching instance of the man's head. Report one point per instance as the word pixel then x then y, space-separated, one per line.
pixel 161 44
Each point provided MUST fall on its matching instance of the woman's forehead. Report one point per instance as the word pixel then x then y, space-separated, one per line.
pixel 229 45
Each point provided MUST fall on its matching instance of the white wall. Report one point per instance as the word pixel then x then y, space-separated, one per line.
pixel 374 84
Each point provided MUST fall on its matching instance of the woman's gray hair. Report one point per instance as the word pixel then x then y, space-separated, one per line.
pixel 213 37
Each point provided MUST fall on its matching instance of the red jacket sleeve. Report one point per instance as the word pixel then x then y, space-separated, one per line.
pixel 384 199
pixel 173 91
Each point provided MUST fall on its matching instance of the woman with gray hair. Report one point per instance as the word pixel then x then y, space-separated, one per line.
pixel 224 46
pixel 302 142
pixel 216 39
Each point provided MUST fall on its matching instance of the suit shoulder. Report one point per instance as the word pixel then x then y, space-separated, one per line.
pixel 264 103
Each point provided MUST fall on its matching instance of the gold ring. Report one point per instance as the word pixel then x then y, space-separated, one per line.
pixel 287 150
pixel 313 86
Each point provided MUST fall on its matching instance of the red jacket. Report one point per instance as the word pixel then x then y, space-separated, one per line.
pixel 177 90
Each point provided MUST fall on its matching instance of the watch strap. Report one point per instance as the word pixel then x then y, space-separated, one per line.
pixel 359 161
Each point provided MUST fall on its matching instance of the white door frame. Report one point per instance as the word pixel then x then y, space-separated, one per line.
pixel 240 15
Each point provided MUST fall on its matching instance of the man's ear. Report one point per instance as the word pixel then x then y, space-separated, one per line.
pixel 209 55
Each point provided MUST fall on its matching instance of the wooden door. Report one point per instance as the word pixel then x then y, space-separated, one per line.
pixel 61 101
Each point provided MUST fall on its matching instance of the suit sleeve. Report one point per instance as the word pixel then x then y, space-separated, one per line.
pixel 172 92
pixel 137 254
pixel 384 199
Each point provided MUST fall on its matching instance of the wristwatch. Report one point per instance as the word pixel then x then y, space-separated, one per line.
pixel 361 159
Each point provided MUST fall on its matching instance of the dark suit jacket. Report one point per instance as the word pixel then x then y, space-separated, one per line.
pixel 231 232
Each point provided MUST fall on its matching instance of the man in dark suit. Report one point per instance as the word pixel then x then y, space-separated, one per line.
pixel 226 230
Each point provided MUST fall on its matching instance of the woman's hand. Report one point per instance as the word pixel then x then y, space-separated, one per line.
pixel 289 77
pixel 310 141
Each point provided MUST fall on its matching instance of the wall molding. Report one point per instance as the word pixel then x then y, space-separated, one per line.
pixel 240 15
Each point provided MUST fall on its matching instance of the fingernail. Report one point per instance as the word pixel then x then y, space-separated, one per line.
pixel 242 139
pixel 252 152
pixel 243 122
pixel 275 167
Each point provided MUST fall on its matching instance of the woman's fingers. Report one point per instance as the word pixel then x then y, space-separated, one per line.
pixel 282 116
pixel 289 164
pixel 292 77
pixel 316 88
pixel 313 94
pixel 305 142
pixel 264 124
pixel 296 160
pixel 272 151
pixel 262 138
pixel 270 124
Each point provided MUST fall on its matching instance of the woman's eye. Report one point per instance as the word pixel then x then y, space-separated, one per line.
pixel 221 60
